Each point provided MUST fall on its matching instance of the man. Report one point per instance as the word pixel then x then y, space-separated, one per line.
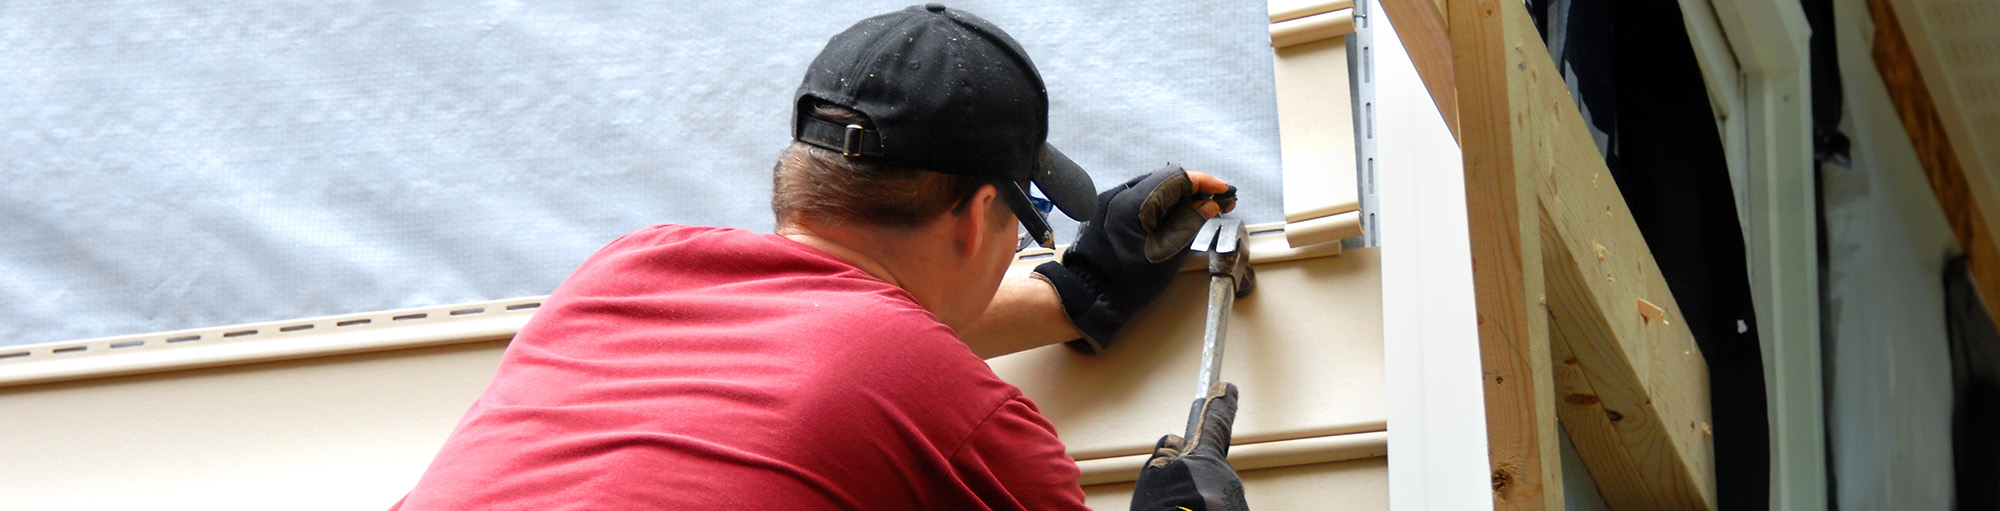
pixel 836 364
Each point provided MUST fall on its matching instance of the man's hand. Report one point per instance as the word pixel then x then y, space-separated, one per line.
pixel 1194 474
pixel 1125 257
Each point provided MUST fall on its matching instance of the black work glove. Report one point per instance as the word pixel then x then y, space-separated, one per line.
pixel 1125 256
pixel 1194 474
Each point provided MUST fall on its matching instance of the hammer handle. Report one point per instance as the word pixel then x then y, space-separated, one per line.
pixel 1221 295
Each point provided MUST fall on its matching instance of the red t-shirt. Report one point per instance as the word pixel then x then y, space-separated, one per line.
pixel 704 368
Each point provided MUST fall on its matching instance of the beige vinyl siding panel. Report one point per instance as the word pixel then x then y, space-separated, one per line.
pixel 329 432
pixel 1305 349
pixel 1316 127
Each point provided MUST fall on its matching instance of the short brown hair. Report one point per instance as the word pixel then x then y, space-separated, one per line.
pixel 811 182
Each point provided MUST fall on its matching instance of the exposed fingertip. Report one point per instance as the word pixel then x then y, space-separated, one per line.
pixel 1207 183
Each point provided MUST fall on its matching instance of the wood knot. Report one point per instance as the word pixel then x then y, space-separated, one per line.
pixel 1581 399
pixel 1613 415
pixel 1570 361
pixel 1503 480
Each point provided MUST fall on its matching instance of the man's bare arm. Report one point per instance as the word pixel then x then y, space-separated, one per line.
pixel 1026 313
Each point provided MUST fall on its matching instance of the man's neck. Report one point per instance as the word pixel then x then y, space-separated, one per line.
pixel 860 259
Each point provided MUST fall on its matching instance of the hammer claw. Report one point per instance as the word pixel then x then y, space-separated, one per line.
pixel 1228 235
pixel 1204 238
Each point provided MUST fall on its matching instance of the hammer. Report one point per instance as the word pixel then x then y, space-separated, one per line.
pixel 1229 276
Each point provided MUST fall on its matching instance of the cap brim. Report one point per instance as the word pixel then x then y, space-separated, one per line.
pixel 1065 184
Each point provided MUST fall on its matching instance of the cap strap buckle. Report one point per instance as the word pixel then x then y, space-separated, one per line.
pixel 850 144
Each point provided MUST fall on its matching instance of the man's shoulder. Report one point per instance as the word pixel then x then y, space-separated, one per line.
pixel 888 325
pixel 886 340
pixel 676 233
pixel 693 256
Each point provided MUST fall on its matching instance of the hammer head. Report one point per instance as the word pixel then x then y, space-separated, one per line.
pixel 1226 240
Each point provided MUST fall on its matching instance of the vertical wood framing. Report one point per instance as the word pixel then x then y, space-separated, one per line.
pixel 1500 159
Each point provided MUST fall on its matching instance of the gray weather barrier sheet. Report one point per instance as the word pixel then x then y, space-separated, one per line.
pixel 183 164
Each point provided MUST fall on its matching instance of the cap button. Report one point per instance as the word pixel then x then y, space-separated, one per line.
pixel 934 7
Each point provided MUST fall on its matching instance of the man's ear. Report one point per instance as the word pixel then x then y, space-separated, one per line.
pixel 968 228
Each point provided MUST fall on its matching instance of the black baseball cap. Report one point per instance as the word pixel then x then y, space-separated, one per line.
pixel 946 91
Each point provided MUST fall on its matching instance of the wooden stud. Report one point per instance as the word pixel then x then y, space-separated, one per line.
pixel 1500 158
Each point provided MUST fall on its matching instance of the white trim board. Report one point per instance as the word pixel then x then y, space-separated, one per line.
pixel 1769 38
pixel 1437 438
